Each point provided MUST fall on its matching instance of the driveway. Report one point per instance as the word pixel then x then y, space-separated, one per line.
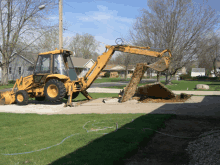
pixel 196 106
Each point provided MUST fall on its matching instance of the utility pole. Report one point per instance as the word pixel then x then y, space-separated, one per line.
pixel 60 24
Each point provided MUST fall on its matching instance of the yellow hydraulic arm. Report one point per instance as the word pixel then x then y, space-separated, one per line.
pixel 102 60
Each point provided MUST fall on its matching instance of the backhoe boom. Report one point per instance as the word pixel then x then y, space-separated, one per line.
pixel 102 60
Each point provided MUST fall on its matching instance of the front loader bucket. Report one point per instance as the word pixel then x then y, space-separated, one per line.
pixel 7 97
pixel 160 65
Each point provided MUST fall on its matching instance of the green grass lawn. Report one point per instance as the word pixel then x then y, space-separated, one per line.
pixel 183 85
pixel 119 79
pixel 6 86
pixel 110 80
pixel 63 139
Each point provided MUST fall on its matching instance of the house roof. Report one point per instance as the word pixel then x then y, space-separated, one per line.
pixel 80 62
pixel 198 69
pixel 30 57
pixel 114 66
pixel 110 66
pixel 130 66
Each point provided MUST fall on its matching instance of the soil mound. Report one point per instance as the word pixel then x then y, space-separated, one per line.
pixel 178 98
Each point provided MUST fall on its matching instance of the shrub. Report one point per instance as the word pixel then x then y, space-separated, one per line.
pixel 185 77
pixel 107 74
pixel 11 82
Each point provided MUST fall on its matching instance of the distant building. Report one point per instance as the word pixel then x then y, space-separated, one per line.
pixel 82 65
pixel 197 72
pixel 19 65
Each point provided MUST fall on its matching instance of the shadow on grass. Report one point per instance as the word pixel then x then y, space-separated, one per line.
pixel 114 147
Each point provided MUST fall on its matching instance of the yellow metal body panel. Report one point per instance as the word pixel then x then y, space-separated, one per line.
pixel 57 52
pixel 60 76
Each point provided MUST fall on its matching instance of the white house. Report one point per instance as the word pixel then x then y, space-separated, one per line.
pixel 197 72
pixel 19 65
pixel 82 65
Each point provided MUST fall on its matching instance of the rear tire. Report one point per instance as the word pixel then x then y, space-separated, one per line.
pixel 54 90
pixel 21 97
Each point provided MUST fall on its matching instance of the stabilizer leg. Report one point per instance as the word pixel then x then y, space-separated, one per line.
pixel 86 94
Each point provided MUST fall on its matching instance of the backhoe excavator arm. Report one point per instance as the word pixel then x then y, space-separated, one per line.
pixel 102 60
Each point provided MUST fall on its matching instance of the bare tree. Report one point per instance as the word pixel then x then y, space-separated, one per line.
pixel 210 52
pixel 124 59
pixel 84 46
pixel 17 20
pixel 48 41
pixel 174 25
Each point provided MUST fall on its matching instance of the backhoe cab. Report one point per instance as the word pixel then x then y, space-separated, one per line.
pixel 55 62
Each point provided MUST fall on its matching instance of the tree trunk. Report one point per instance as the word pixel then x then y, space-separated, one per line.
pixel 158 76
pixel 4 78
pixel 168 81
pixel 126 71
pixel 167 72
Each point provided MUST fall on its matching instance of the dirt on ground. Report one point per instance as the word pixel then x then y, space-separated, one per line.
pixel 82 102
pixel 169 150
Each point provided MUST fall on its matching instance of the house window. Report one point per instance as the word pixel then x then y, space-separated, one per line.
pixel 19 70
pixel 9 70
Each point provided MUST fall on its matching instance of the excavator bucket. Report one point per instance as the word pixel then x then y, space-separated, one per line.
pixel 7 97
pixel 160 65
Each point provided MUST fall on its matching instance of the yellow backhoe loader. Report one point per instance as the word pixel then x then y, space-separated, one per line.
pixel 54 76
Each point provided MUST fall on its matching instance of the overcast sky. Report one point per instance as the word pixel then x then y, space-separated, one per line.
pixel 106 20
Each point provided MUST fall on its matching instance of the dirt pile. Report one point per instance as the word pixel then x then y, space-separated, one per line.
pixel 155 90
pixel 158 93
pixel 155 93
pixel 177 98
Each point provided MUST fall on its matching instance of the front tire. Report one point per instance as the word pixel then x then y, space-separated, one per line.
pixel 54 90
pixel 21 97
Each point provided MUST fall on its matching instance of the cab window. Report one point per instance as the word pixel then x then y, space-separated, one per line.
pixel 43 64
